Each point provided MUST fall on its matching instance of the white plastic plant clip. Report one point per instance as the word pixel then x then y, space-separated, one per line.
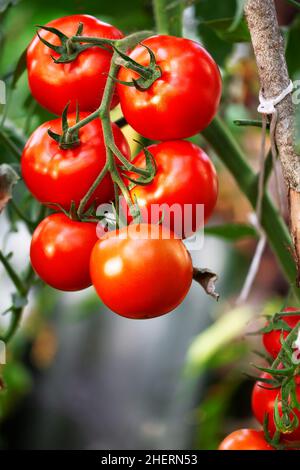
pixel 267 106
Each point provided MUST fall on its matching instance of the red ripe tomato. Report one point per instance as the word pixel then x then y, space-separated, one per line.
pixel 82 80
pixel 272 340
pixel 60 176
pixel 245 439
pixel 60 252
pixel 185 175
pixel 183 101
pixel 138 276
pixel 263 400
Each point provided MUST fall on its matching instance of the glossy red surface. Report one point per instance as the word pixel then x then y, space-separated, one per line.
pixel 82 80
pixel 139 277
pixel 263 401
pixel 245 439
pixel 185 175
pixel 60 252
pixel 60 176
pixel 183 101
pixel 271 340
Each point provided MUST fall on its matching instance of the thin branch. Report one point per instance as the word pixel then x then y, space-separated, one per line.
pixel 13 274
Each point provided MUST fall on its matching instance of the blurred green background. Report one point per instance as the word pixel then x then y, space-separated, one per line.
pixel 78 376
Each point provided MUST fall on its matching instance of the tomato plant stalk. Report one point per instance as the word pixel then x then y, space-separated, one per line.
pixel 103 112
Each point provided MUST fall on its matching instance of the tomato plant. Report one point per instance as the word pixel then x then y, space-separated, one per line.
pixel 81 81
pixel 263 404
pixel 271 340
pixel 169 89
pixel 185 175
pixel 245 439
pixel 60 252
pixel 180 103
pixel 60 176
pixel 125 286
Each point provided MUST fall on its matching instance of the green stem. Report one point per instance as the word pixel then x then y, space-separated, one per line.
pixel 17 312
pixel 10 145
pixel 95 41
pixel 276 230
pixel 13 275
pixel 123 44
pixel 168 16
pixel 16 316
pixel 249 122
pixel 91 191
pixel 289 340
pixel 104 113
pixel 83 122
pixel 143 71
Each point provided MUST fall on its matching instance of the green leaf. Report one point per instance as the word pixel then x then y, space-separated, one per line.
pixel 238 14
pixel 223 29
pixel 211 10
pixel 292 46
pixel 218 48
pixel 295 3
pixel 231 232
pixel 293 63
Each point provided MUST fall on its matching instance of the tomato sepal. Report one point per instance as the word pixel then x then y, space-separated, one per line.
pixel 69 49
pixel 151 169
pixel 66 140
pixel 148 74
pixel 276 372
pixel 274 440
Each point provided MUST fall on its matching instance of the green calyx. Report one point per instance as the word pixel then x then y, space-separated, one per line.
pixel 283 371
pixel 66 140
pixel 70 47
pixel 276 323
pixel 148 174
pixel 148 74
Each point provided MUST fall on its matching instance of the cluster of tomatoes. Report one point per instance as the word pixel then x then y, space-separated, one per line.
pixel 266 398
pixel 135 275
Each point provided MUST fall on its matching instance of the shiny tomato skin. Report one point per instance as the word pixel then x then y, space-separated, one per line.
pixel 82 80
pixel 183 101
pixel 271 340
pixel 245 439
pixel 185 175
pixel 60 176
pixel 60 252
pixel 139 277
pixel 263 400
